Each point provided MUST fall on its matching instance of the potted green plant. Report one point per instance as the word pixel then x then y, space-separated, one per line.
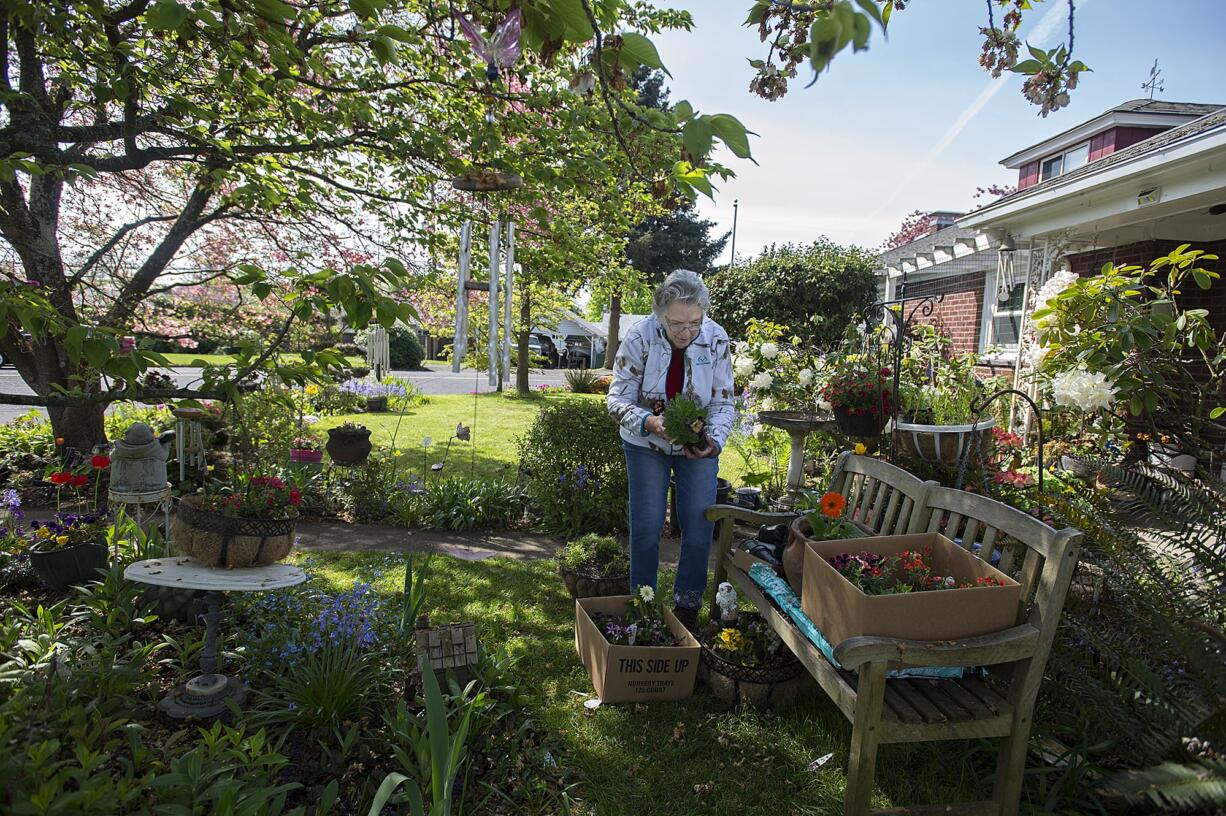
pixel 859 395
pixel 349 444
pixel 594 566
pixel 247 524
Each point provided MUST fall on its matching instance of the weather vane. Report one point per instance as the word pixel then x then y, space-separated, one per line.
pixel 1155 81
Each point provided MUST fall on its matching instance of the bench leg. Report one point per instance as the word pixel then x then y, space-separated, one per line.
pixel 865 734
pixel 723 541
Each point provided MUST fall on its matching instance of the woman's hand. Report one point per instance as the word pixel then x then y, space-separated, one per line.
pixel 655 425
pixel 709 450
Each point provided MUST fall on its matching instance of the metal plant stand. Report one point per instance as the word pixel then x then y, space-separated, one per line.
pixel 144 508
pixel 799 425
pixel 206 696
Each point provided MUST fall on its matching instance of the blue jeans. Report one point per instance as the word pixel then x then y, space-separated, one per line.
pixel 649 472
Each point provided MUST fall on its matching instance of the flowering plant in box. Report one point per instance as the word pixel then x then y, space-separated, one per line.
pixel 642 625
pixel 909 571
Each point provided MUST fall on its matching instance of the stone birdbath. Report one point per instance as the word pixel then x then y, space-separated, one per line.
pixel 798 424
pixel 206 695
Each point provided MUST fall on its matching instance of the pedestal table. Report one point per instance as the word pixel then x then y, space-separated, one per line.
pixel 205 696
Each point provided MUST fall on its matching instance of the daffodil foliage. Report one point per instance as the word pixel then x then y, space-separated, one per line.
pixel 301 151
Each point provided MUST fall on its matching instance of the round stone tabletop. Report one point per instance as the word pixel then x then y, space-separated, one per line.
pixel 181 571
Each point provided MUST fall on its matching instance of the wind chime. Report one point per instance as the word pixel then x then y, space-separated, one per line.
pixel 500 51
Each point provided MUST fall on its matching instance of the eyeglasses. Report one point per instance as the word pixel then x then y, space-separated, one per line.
pixel 688 328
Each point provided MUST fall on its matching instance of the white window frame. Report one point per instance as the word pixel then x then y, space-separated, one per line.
pixel 1062 156
pixel 986 326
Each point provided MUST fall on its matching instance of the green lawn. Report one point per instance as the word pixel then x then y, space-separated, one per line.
pixel 648 759
pixel 181 359
pixel 499 420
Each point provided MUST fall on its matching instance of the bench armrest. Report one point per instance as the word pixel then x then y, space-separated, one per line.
pixel 1008 646
pixel 727 511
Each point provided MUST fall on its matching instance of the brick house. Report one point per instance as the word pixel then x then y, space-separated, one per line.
pixel 1126 186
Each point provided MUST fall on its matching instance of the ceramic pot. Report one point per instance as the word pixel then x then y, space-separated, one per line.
pixel 348 446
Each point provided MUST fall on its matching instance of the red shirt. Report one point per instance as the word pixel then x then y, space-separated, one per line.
pixel 676 373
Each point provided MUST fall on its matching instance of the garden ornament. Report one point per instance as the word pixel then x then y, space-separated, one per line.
pixel 138 463
pixel 725 598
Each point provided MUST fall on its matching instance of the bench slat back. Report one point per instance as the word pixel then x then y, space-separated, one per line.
pixel 879 495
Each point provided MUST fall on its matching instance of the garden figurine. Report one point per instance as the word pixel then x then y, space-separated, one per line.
pixel 725 599
pixel 676 352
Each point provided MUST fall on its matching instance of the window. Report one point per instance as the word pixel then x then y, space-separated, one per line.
pixel 1005 316
pixel 1066 162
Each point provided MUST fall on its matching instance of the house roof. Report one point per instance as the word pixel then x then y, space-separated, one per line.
pixel 1135 113
pixel 1213 122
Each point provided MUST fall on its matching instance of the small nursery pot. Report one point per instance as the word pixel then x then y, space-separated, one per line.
pixel 62 567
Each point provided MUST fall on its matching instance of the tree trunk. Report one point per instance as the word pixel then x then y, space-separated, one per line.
pixel 525 328
pixel 615 322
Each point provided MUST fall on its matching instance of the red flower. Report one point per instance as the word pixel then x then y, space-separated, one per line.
pixel 79 481
pixel 60 478
pixel 295 498
pixel 100 461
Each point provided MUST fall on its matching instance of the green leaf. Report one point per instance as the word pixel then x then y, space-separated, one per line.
pixel 641 51
pixel 697 137
pixel 732 133
pixel 165 15
pixel 572 15
pixel 274 10
pixel 683 110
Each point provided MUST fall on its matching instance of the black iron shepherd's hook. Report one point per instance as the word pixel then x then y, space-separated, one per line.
pixel 977 411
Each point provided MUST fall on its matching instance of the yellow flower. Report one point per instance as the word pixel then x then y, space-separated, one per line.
pixel 61 540
pixel 860 449
pixel 732 640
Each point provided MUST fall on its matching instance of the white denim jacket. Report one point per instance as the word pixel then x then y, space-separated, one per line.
pixel 641 370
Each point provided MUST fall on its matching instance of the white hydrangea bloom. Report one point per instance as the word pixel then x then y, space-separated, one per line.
pixel 762 381
pixel 1082 389
pixel 1056 284
pixel 769 350
pixel 805 377
pixel 743 366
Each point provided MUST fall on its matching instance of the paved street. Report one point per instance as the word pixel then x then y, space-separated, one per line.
pixel 436 381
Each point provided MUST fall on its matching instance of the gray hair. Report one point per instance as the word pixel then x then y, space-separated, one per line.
pixel 681 286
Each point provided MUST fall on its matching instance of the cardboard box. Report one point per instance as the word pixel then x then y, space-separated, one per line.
pixel 840 610
pixel 631 674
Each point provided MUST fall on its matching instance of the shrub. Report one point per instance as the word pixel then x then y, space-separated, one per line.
pixel 575 473
pixel 596 556
pixel 815 290
pixel 404 349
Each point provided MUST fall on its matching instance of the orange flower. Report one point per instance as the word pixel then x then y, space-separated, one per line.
pixel 833 505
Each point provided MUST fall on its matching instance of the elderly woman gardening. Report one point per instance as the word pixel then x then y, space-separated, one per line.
pixel 675 352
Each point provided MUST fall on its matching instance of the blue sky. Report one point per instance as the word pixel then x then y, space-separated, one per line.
pixel 875 137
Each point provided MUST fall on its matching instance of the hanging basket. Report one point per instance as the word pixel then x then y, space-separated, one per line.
pixel 862 424
pixel 216 540
pixel 487 181
pixel 943 444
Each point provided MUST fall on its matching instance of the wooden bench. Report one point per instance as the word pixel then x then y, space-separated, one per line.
pixel 883 710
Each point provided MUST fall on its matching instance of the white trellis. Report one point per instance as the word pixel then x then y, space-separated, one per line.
pixel 498 351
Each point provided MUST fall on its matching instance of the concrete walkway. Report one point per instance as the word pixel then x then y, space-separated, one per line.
pixel 338 536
